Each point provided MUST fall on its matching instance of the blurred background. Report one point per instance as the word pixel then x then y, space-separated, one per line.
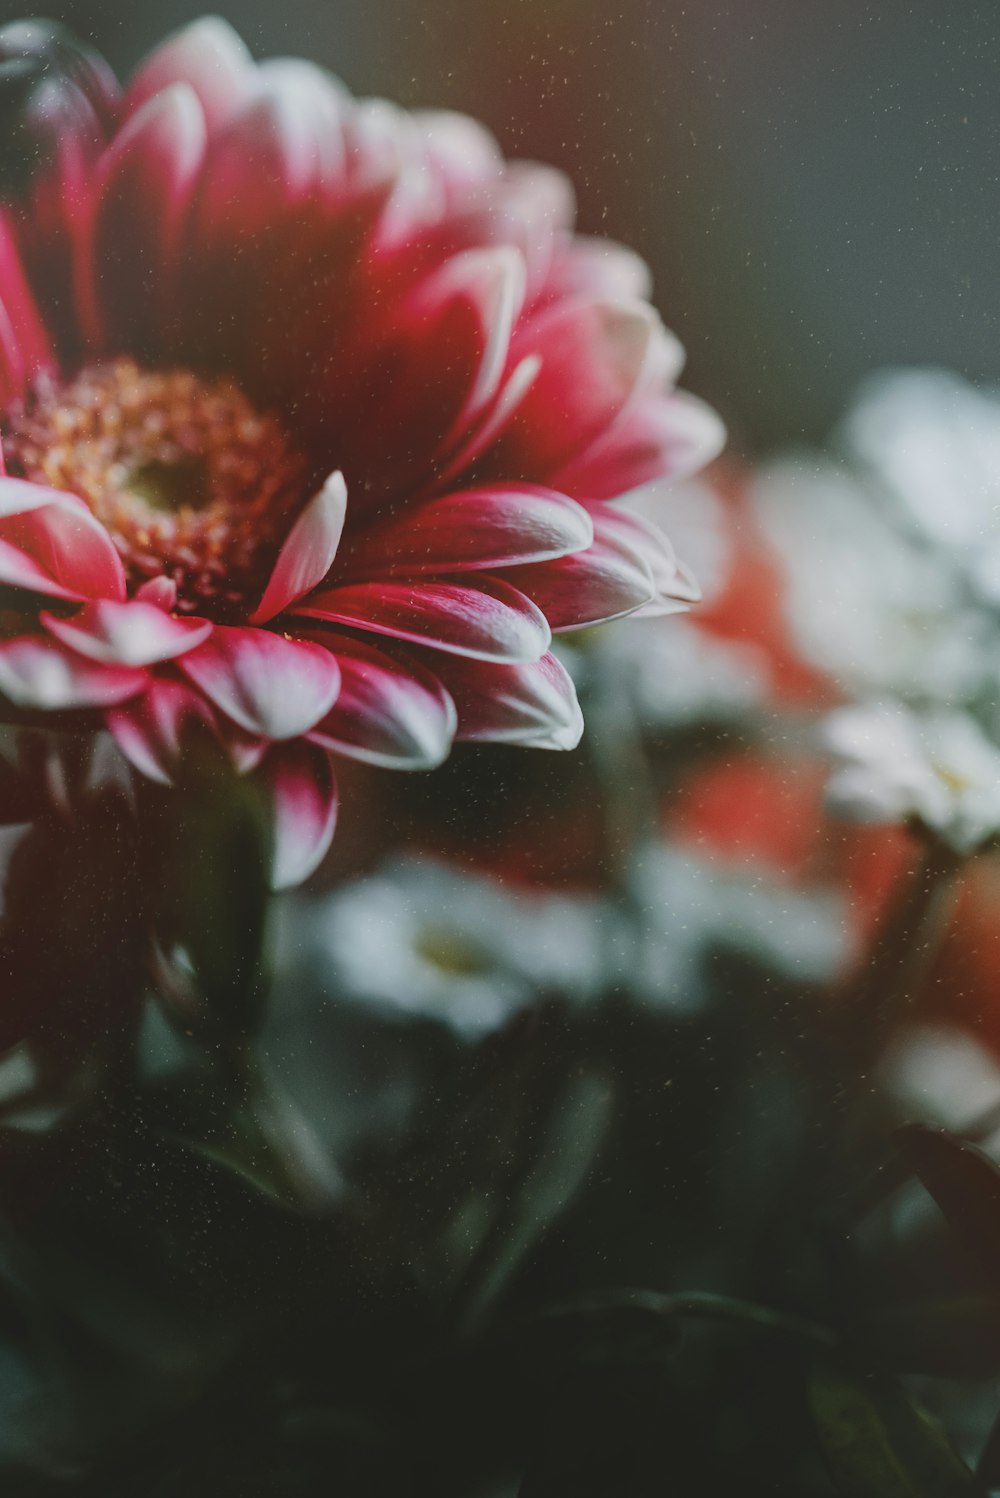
pixel 815 186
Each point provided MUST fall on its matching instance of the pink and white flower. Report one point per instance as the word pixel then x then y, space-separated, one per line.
pixel 313 414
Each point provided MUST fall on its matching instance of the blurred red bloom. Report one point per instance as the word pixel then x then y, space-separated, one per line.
pixel 312 411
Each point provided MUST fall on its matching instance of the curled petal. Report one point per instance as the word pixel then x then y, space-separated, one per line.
pixel 147 179
pixel 599 267
pixel 127 634
pixel 25 349
pixel 299 782
pixel 308 552
pixel 151 730
pixel 267 684
pixel 485 432
pixel 159 590
pixel 533 704
pixel 282 137
pixel 50 543
pixel 40 673
pixel 325 107
pixel 210 58
pixel 436 369
pixel 611 579
pixel 473 529
pixel 389 712
pixel 596 357
pixel 460 151
pixel 669 436
pixel 674 586
pixel 487 619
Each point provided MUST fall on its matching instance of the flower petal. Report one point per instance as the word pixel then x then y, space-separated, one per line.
pixel 435 370
pixel 265 682
pixel 308 552
pixel 611 579
pixel 669 436
pixel 127 634
pixel 298 780
pixel 473 529
pixel 147 178
pixel 209 57
pixel 674 587
pixel 533 704
pixel 26 348
pixel 151 730
pixel 159 590
pixel 50 543
pixel 599 267
pixel 487 619
pixel 389 712
pixel 40 673
pixel 596 356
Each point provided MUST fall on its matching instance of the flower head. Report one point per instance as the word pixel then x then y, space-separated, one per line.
pixel 312 413
pixel 938 770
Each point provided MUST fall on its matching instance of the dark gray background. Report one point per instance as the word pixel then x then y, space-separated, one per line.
pixel 815 184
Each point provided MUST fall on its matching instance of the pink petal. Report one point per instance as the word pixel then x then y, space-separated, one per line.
pixel 268 684
pixel 50 543
pixel 308 552
pixel 159 590
pixel 476 528
pixel 327 106
pixel 596 356
pixel 486 619
pixel 127 634
pixel 298 780
pixel 669 436
pixel 492 283
pixel 533 704
pixel 13 374
pixel 147 179
pixel 673 584
pixel 271 158
pixel 40 673
pixel 461 152
pixel 26 346
pixel 485 432
pixel 533 209
pixel 611 579
pixel 209 57
pixel 601 268
pixel 389 712
pixel 151 730
pixel 434 372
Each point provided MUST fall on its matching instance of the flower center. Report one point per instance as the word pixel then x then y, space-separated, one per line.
pixel 189 479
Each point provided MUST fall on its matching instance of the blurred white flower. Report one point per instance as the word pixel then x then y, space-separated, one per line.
pixel 682 675
pixel 693 909
pixel 895 765
pixel 867 603
pixel 942 1077
pixel 422 939
pixel 931 442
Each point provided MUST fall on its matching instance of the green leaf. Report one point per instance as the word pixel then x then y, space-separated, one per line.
pixel 880 1443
